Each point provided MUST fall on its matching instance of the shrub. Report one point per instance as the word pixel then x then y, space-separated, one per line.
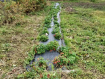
pixel 11 9
pixel 58 8
pixel 32 5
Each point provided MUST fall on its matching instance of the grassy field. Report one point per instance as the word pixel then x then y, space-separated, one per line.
pixel 83 27
pixel 16 40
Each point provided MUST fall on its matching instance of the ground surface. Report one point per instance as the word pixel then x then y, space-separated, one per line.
pixel 83 26
pixel 15 42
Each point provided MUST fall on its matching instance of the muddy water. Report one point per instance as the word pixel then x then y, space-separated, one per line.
pixel 50 55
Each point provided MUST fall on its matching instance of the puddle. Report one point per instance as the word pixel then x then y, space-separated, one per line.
pixel 50 55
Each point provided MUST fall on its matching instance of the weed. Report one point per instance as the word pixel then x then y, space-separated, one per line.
pixel 81 31
pixel 6 46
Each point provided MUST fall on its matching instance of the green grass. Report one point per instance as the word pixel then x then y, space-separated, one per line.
pixel 84 33
pixel 94 1
pixel 16 40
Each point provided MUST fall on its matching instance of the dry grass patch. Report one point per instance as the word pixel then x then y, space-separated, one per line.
pixel 16 41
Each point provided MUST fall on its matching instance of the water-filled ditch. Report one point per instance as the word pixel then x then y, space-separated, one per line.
pixel 50 55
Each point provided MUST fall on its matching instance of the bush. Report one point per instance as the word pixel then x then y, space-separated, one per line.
pixel 32 5
pixel 11 9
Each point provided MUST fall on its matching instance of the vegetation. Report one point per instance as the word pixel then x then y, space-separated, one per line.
pixel 47 22
pixel 66 58
pixel 11 11
pixel 38 71
pixel 43 38
pixel 83 30
pixel 39 49
pixel 56 23
pixel 42 63
pixel 44 31
pixel 18 36
pixel 57 36
pixel 55 30
pixel 53 45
